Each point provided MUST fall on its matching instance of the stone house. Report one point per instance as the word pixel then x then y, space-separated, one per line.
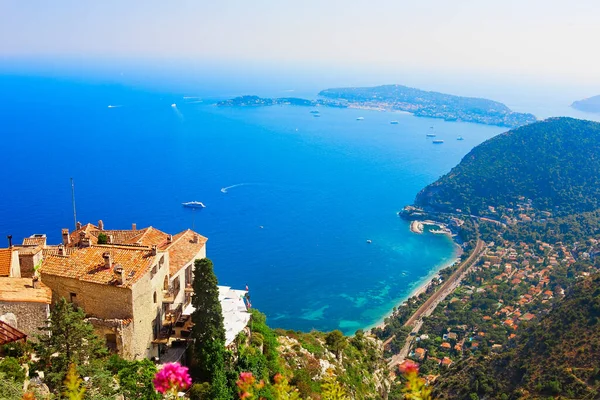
pixel 24 304
pixel 132 284
pixel 9 262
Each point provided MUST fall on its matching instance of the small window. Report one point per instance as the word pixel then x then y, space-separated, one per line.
pixel 73 297
pixel 111 342
pixel 154 270
pixel 154 297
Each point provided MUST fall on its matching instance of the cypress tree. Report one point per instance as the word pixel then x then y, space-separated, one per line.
pixel 208 331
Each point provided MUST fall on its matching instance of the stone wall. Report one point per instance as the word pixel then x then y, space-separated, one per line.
pixel 30 316
pixel 146 310
pixel 97 300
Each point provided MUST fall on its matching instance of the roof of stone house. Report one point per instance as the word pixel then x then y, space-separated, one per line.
pixel 5 261
pixel 34 241
pixel 87 264
pixel 183 249
pixel 21 290
pixel 53 250
pixel 28 249
pixel 88 229
pixel 8 334
pixel 149 236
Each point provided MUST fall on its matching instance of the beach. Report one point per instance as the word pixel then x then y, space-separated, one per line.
pixel 419 288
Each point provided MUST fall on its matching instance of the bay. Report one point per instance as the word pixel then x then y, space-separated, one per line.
pixel 302 196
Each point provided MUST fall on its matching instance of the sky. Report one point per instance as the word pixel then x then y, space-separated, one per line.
pixel 553 40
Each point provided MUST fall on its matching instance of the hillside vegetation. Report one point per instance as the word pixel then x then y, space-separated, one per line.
pixel 557 357
pixel 555 163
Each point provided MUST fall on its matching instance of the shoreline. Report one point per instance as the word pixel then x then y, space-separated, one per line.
pixel 420 287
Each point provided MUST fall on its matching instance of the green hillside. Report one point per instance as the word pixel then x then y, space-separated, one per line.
pixel 555 162
pixel 557 358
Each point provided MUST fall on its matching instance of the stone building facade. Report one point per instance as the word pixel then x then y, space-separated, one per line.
pixel 25 304
pixel 130 283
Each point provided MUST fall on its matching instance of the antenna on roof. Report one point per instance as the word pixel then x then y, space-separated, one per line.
pixel 73 200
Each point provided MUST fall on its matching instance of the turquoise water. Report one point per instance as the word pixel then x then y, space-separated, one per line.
pixel 303 193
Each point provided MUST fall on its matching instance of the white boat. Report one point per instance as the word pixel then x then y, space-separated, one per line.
pixel 360 118
pixel 460 138
pixel 194 204
pixel 316 115
pixel 314 111
pixel 394 122
pixel 369 241
pixel 430 135
pixel 438 141
pixel 174 105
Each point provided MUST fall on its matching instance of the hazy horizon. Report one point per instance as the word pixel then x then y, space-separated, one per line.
pixel 549 41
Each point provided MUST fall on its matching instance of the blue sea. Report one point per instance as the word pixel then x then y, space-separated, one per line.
pixel 302 194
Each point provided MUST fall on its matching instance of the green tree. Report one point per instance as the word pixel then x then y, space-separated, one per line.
pixel 336 342
pixel 135 380
pixel 12 369
pixel 71 340
pixel 208 331
pixel 102 238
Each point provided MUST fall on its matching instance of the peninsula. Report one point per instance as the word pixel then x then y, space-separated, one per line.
pixel 401 98
pixel 591 104
pixel 430 104
pixel 255 101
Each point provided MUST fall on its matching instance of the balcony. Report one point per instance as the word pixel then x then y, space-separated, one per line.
pixel 169 296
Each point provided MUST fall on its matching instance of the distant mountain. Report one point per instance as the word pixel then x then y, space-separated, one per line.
pixel 555 163
pixel 430 104
pixel 591 104
pixel 557 357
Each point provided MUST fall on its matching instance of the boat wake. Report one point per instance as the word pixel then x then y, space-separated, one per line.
pixel 225 189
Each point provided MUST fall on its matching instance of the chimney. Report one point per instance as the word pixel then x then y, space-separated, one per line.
pixel 154 250
pixel 78 225
pixel 35 282
pixel 84 241
pixel 9 237
pixel 109 239
pixel 100 225
pixel 66 237
pixel 195 239
pixel 61 250
pixel 134 227
pixel 107 259
pixel 169 238
pixel 118 270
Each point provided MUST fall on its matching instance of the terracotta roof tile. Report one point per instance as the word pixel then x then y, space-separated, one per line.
pixel 183 249
pixel 35 241
pixel 30 250
pixel 5 261
pixel 21 290
pixel 87 264
pixel 149 236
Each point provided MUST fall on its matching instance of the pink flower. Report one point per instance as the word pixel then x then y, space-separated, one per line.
pixel 172 376
pixel 408 367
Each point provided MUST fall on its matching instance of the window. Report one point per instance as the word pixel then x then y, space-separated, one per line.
pixel 154 270
pixel 154 297
pixel 111 342
pixel 73 297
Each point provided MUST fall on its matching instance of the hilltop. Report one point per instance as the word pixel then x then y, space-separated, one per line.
pixel 591 104
pixel 430 104
pixel 552 164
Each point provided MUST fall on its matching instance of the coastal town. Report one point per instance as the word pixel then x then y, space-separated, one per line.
pixel 498 291
pixel 135 286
